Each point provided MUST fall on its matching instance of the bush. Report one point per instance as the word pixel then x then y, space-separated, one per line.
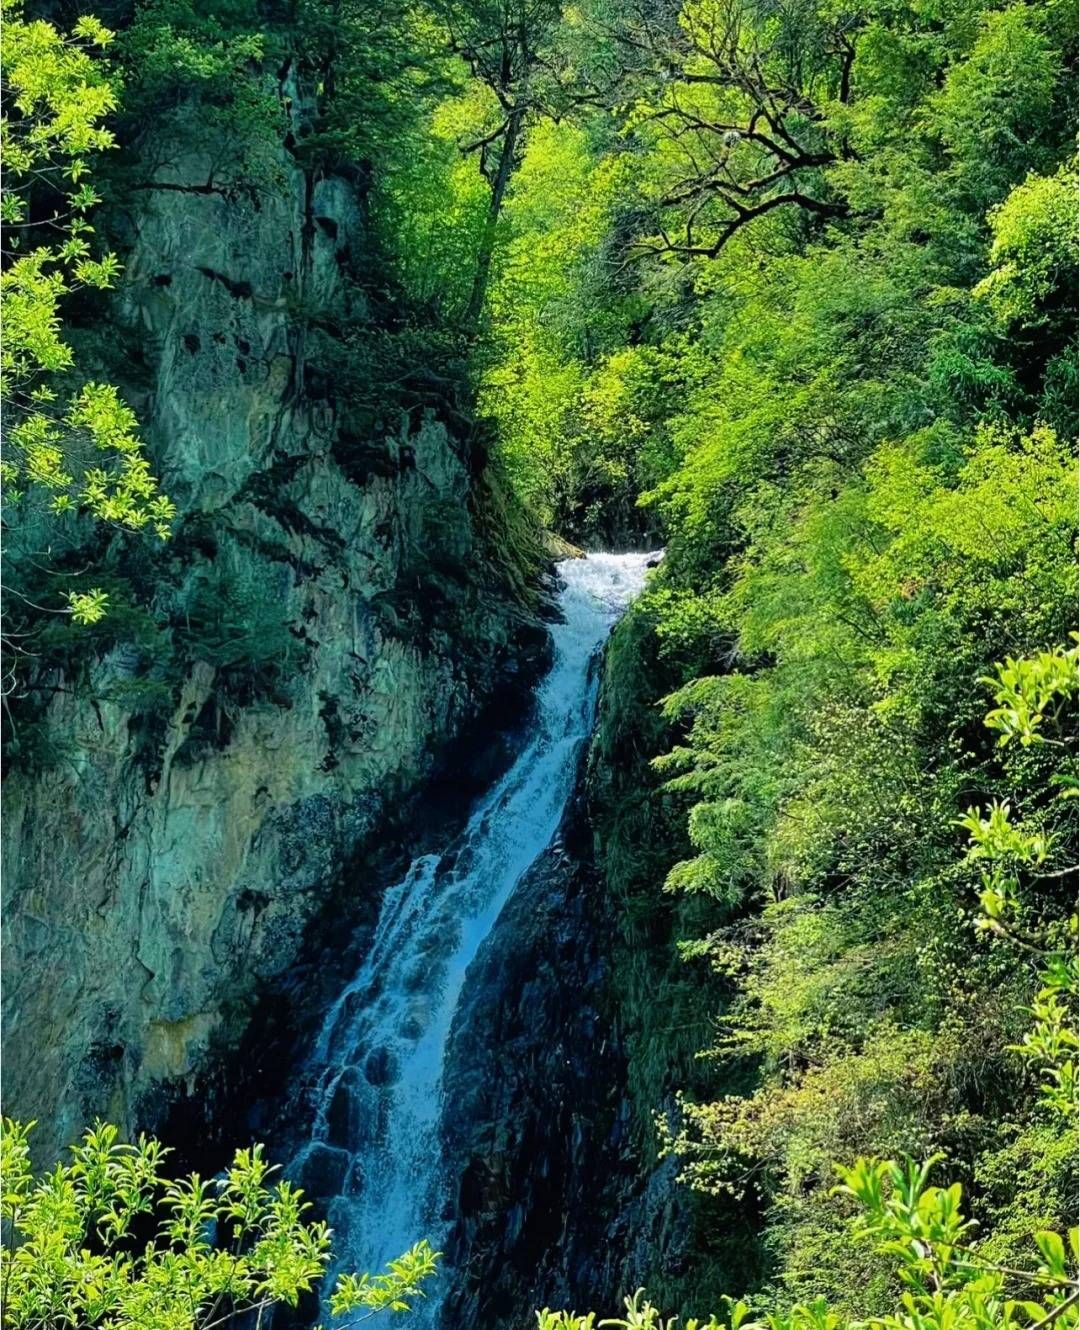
pixel 108 1240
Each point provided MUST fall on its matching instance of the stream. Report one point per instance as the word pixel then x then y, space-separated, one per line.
pixel 376 1139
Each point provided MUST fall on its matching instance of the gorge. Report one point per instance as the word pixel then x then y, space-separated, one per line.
pixel 540 667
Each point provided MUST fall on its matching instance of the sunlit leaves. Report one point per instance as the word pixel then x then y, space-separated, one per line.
pixel 1034 249
pixel 1026 690
pixel 923 1230
pixel 575 422
pixel 85 454
pixel 1032 693
pixel 394 1290
pixel 220 1248
pixel 88 607
pixel 1053 1042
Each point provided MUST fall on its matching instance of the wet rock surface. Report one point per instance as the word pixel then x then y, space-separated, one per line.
pixel 538 1129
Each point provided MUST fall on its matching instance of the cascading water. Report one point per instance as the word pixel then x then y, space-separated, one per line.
pixel 377 1066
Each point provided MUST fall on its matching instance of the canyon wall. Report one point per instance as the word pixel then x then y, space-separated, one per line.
pixel 335 610
pixel 555 1205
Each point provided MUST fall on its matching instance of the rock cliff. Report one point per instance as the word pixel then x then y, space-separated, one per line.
pixel 555 1205
pixel 333 611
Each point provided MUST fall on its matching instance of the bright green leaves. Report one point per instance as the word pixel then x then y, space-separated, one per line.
pixel 949 1284
pixel 919 1225
pixel 430 207
pixel 92 30
pixel 995 836
pixel 1052 1250
pixel 1053 1042
pixel 549 1320
pixel 1034 249
pixel 88 607
pixel 395 1290
pixel 994 110
pixel 57 93
pixel 996 533
pixel 639 1313
pixel 1027 690
pixel 31 290
pixel 121 491
pixel 222 1247
pixel 572 420
pixel 1032 694
pixel 83 453
pixel 90 456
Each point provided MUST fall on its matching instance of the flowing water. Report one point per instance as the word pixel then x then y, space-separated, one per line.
pixel 377 1065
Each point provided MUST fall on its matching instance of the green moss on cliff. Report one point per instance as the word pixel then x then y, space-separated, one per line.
pixel 664 1006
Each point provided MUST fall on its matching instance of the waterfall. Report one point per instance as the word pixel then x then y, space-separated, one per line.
pixel 375 1144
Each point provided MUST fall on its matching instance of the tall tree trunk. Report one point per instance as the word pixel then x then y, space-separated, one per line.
pixel 491 222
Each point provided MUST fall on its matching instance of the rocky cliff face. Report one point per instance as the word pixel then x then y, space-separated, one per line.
pixel 536 1125
pixel 335 616
pixel 555 1206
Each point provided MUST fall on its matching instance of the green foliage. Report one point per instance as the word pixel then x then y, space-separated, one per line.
pixel 391 1291
pixel 777 335
pixel 175 49
pixel 1053 1042
pixel 195 74
pixel 1033 252
pixel 665 1008
pixel 922 1229
pixel 234 621
pixel 109 1240
pixel 88 607
pixel 80 448
pixel 817 297
pixel 793 289
pixel 1026 689
pixel 429 205
pixel 869 1032
pixel 1032 693
pixel 564 410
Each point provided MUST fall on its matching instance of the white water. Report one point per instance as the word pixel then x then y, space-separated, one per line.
pixel 378 1060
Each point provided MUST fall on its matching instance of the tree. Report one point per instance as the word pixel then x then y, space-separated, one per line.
pixel 744 108
pixel 82 449
pixel 501 41
pixel 108 1240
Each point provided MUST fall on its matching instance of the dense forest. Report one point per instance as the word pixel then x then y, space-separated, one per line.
pixel 786 289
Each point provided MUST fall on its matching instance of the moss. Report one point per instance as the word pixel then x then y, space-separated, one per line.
pixel 664 1006
pixel 510 539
